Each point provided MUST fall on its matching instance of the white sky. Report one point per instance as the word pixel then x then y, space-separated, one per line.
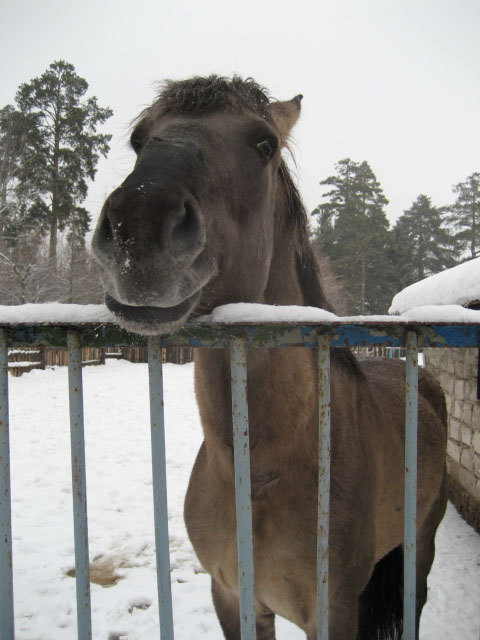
pixel 393 82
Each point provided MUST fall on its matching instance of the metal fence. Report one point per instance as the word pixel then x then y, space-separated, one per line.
pixel 238 339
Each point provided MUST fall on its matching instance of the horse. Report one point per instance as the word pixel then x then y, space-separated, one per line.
pixel 210 215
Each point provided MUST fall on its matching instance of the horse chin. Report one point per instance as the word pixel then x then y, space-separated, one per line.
pixel 152 321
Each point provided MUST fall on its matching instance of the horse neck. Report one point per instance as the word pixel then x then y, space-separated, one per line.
pixel 280 381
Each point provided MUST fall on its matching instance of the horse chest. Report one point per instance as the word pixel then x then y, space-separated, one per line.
pixel 284 537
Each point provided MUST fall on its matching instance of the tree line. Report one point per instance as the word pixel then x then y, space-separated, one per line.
pixel 372 260
pixel 49 150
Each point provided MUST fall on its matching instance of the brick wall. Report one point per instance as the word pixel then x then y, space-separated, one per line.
pixel 457 372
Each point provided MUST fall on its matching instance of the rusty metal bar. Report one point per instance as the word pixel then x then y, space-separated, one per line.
pixel 159 478
pixel 6 577
pixel 241 447
pixel 323 355
pixel 79 486
pixel 410 536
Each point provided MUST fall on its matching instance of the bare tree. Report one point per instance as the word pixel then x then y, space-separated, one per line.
pixel 25 274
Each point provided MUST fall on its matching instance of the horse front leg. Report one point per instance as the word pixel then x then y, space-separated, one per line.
pixel 227 610
pixel 228 613
pixel 343 619
pixel 348 577
pixel 342 622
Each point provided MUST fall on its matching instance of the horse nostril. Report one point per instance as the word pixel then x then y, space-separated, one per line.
pixel 102 241
pixel 187 233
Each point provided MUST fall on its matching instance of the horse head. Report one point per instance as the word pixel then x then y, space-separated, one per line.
pixel 193 225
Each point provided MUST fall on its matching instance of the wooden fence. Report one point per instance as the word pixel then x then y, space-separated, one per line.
pixel 23 360
pixel 175 355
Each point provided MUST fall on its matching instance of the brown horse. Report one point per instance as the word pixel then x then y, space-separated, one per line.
pixel 209 216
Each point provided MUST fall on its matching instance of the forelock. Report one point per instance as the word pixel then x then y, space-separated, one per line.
pixel 200 95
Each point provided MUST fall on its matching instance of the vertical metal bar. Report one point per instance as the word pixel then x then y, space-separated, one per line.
pixel 159 476
pixel 6 576
pixel 323 354
pixel 410 537
pixel 241 448
pixel 79 486
pixel 478 375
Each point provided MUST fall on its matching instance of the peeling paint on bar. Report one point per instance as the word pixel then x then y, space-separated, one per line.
pixel 267 335
pixel 159 478
pixel 323 484
pixel 79 486
pixel 241 448
pixel 449 336
pixel 6 577
pixel 361 336
pixel 410 535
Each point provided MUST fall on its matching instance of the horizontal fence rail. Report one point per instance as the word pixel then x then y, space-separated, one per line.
pixel 238 339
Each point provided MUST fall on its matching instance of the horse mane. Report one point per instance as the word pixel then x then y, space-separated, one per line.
pixel 308 269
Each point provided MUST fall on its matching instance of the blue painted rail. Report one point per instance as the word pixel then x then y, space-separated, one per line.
pixel 238 338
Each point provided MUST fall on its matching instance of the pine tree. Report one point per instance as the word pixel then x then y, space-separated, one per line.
pixel 78 226
pixel 22 272
pixel 67 146
pixel 354 233
pixel 20 176
pixel 424 243
pixel 465 214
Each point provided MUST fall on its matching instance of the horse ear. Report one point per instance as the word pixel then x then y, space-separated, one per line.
pixel 285 115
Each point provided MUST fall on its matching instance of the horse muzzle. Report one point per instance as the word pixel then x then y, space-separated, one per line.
pixel 149 243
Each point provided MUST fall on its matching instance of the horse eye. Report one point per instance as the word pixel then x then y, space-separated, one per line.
pixel 266 149
pixel 136 144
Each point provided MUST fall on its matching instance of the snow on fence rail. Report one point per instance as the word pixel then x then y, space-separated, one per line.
pixel 318 331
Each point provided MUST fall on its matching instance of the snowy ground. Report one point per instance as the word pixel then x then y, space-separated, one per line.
pixel 121 518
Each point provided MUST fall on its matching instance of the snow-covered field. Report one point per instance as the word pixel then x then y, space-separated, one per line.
pixel 121 517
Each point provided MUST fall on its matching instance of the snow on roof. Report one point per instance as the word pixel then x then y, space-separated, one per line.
pixel 459 285
pixel 453 313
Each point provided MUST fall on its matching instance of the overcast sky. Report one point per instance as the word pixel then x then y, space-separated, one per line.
pixel 393 82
